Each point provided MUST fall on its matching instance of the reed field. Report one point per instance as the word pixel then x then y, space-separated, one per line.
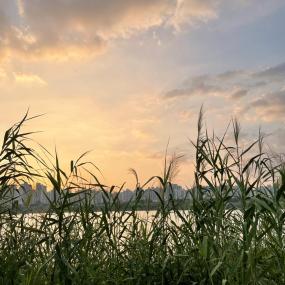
pixel 213 241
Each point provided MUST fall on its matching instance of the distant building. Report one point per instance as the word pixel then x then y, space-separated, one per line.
pixel 126 196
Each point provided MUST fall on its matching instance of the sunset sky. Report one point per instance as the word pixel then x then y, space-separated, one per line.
pixel 122 77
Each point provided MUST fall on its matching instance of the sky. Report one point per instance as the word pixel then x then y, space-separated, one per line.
pixel 126 79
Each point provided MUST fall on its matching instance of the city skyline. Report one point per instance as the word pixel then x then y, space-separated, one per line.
pixel 25 196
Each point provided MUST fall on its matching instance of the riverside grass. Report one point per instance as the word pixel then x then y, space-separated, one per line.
pixel 210 243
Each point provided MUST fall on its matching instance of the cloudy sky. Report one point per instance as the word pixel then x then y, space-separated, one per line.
pixel 122 77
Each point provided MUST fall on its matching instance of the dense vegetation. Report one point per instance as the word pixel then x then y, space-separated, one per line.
pixel 210 243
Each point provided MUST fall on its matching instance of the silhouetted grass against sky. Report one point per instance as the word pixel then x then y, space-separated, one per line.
pixel 123 77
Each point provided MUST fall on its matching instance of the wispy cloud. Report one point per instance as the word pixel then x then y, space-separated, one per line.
pixel 29 79
pixel 260 93
pixel 239 94
pixel 269 107
pixel 189 11
pixel 233 84
pixel 272 73
pixel 200 85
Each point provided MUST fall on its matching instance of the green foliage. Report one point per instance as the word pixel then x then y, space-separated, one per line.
pixel 214 241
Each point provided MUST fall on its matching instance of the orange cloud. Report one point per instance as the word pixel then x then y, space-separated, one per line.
pixel 61 29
